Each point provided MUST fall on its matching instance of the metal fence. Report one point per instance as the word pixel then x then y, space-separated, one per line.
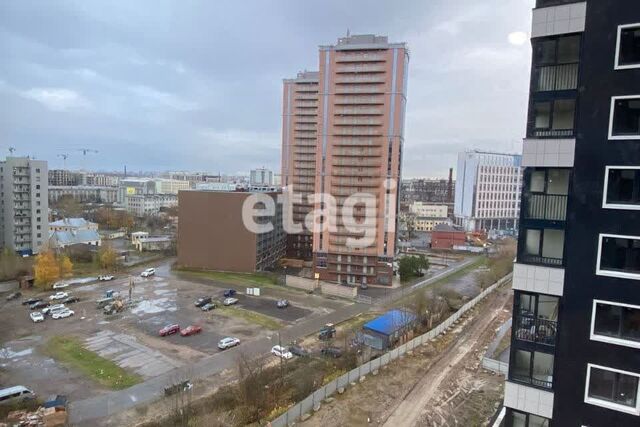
pixel 488 361
pixel 315 399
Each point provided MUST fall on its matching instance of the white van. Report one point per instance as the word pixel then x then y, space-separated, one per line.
pixel 15 393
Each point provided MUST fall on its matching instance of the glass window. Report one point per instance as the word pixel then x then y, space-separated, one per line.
pixel 568 49
pixel 537 181
pixel 626 117
pixel 613 386
pixel 617 321
pixel 542 112
pixel 623 186
pixel 558 181
pixel 563 113
pixel 620 254
pixel 545 52
pixel 629 49
pixel 533 242
pixel 533 367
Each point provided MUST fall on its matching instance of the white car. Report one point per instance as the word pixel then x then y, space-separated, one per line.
pixel 230 301
pixel 148 272
pixel 60 285
pixel 282 352
pixel 62 314
pixel 52 308
pixel 105 278
pixel 36 316
pixel 228 342
pixel 58 295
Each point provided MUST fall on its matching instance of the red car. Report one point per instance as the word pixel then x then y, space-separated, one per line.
pixel 169 330
pixel 191 330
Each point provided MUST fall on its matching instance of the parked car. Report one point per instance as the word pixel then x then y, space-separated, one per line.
pixel 17 393
pixel 282 303
pixel 36 316
pixel 298 350
pixel 209 306
pixel 278 350
pixel 230 301
pixel 334 352
pixel 202 301
pixel 229 293
pixel 105 278
pixel 60 285
pixel 30 301
pixel 191 330
pixel 38 305
pixel 58 295
pixel 50 309
pixel 169 330
pixel 148 272
pixel 328 331
pixel 13 296
pixel 228 342
pixel 364 286
pixel 69 300
pixel 62 314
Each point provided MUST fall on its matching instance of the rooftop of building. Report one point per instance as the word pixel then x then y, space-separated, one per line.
pixel 74 237
pixel 447 227
pixel 391 321
pixel 71 222
pixel 363 41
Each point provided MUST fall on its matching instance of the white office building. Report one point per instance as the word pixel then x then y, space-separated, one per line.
pixel 488 189
pixel 261 176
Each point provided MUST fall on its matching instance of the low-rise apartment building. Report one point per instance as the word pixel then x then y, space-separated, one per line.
pixel 149 204
pixel 84 193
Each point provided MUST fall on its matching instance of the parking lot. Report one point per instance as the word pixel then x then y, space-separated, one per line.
pixel 131 338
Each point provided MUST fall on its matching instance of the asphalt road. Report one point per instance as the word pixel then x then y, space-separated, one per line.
pixel 84 411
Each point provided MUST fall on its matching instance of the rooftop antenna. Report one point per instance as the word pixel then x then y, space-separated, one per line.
pixel 348 32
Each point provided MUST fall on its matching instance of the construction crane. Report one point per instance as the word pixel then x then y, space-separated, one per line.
pixel 11 150
pixel 64 159
pixel 84 155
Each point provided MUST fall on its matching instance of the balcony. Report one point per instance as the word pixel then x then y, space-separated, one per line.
pixel 363 68
pixel 357 163
pixel 360 131
pixel 548 207
pixel 541 247
pixel 358 122
pixel 532 367
pixel 357 89
pixel 358 111
pixel 552 119
pixel 358 142
pixel 360 57
pixel 310 97
pixel 547 3
pixel 305 127
pixel 351 171
pixel 356 183
pixel 556 77
pixel 530 329
pixel 359 100
pixel 360 79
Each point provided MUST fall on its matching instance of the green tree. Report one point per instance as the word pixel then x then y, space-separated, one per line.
pixel 412 266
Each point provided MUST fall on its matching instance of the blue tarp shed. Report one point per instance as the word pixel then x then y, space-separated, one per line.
pixel 391 322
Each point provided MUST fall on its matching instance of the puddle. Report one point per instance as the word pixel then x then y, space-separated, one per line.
pixel 7 353
pixel 154 306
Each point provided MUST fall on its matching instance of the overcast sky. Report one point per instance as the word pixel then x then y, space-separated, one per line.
pixel 197 85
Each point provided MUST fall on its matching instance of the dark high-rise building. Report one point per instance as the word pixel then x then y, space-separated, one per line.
pixel 575 349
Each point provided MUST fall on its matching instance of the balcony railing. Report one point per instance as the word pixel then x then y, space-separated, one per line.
pixel 540 260
pixel 358 122
pixel 359 131
pixel 553 133
pixel 537 381
pixel 530 329
pixel 360 57
pixel 358 111
pixel 359 100
pixel 359 89
pixel 545 206
pixel 557 77
pixel 365 68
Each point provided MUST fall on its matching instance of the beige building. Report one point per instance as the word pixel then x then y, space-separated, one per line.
pixel 428 210
pixel 299 124
pixel 426 223
pixel 170 186
pixel 361 113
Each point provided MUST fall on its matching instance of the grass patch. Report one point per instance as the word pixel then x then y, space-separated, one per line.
pixel 250 317
pixel 69 351
pixel 260 279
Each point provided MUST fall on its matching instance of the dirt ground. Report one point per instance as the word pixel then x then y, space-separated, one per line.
pixel 131 338
pixel 440 384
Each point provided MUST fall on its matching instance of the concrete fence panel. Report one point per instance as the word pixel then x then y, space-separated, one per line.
pixel 375 364
pixel 365 369
pixel 319 395
pixel 393 354
pixel 343 381
pixel 338 290
pixel 300 282
pixel 306 405
pixel 293 413
pixel 384 359
pixel 402 349
pixel 354 375
pixel 331 388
